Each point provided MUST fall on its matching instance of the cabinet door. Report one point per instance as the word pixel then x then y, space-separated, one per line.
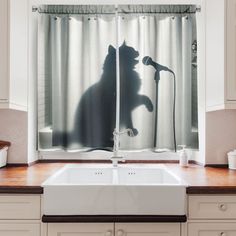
pixel 212 207
pixel 19 207
pixel 80 229
pixel 147 229
pixel 19 48
pixel 212 229
pixel 19 229
pixel 4 89
pixel 231 51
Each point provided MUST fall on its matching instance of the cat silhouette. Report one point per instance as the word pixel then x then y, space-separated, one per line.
pixel 96 112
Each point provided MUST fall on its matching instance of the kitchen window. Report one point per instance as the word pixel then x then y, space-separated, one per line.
pixel 78 51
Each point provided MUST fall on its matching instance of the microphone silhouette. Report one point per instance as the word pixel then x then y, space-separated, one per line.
pixel 158 67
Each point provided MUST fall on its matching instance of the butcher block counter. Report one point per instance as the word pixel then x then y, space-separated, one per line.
pixel 200 180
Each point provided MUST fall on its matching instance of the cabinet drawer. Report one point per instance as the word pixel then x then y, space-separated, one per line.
pixel 19 207
pixel 212 207
pixel 19 229
pixel 80 229
pixel 212 229
pixel 147 229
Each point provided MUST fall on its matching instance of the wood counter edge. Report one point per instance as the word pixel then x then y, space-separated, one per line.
pixel 196 190
pixel 21 189
pixel 113 218
pixel 210 190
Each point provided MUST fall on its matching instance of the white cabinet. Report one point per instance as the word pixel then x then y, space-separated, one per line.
pixel 231 51
pixel 81 229
pixel 19 64
pixel 19 207
pixel 212 207
pixel 14 63
pixel 4 58
pixel 211 215
pixel 19 229
pixel 212 229
pixel 220 54
pixel 150 229
pixel 20 215
pixel 116 229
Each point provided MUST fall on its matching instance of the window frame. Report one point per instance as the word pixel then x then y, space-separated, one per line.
pixel 105 155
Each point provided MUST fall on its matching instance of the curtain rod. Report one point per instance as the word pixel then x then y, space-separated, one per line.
pixel 198 9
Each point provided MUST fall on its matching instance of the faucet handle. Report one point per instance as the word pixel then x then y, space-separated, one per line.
pixel 128 131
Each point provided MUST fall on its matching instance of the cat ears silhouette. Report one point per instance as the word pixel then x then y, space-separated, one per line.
pixel 111 49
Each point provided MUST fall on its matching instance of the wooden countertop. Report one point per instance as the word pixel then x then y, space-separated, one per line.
pixel 4 144
pixel 201 180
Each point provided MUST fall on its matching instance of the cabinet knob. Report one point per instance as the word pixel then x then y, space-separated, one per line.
pixel 223 234
pixel 223 207
pixel 120 232
pixel 108 233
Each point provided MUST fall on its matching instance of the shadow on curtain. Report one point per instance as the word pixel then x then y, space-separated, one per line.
pixel 77 86
pixel 96 112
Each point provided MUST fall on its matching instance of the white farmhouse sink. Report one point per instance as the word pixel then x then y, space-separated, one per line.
pixel 93 189
pixel 146 176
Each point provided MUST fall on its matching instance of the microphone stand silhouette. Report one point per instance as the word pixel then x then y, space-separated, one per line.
pixel 158 67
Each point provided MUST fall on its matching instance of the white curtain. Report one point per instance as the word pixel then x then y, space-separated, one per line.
pixel 167 39
pixel 77 67
pixel 78 46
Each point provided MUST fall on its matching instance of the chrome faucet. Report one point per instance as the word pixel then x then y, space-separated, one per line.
pixel 116 137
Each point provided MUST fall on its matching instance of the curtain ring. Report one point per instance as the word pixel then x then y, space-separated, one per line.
pixel 186 17
pixel 55 18
pixel 173 17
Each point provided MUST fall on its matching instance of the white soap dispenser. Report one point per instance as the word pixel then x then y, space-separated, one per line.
pixel 183 157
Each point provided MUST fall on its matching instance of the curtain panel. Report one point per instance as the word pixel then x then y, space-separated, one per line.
pixel 77 78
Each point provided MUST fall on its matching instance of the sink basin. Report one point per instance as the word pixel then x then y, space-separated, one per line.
pixel 93 189
pixel 76 175
pixel 146 176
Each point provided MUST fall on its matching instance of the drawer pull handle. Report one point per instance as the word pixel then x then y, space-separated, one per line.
pixel 109 233
pixel 223 207
pixel 223 234
pixel 120 232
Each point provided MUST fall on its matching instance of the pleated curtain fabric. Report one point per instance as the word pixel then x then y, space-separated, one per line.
pixel 77 79
pixel 167 39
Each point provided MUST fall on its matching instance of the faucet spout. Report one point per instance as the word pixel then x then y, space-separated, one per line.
pixel 116 137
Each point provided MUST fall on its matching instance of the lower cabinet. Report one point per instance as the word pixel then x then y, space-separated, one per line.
pixel 19 229
pixel 80 229
pixel 212 229
pixel 150 229
pixel 117 229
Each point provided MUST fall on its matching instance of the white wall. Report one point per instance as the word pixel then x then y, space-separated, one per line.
pixel 201 71
pixel 32 83
pixel 220 135
pixel 13 128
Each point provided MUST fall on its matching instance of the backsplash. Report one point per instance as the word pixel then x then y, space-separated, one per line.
pixel 13 128
pixel 220 135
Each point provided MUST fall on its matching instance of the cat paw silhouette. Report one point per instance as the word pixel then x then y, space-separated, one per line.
pixel 149 106
pixel 134 133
